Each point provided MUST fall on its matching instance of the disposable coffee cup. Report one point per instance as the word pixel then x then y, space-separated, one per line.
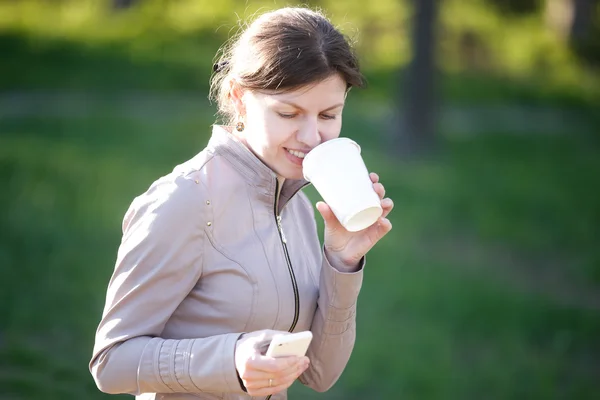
pixel 338 172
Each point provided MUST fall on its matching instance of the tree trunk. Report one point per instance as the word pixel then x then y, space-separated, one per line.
pixel 418 126
pixel 582 19
pixel 571 19
pixel 122 4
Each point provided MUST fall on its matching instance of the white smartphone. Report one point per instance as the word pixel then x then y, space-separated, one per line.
pixel 294 344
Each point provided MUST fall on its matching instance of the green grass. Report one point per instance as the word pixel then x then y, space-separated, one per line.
pixel 456 301
pixel 487 287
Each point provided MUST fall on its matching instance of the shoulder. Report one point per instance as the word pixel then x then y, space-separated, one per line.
pixel 173 199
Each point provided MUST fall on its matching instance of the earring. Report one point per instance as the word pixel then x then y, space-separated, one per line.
pixel 239 126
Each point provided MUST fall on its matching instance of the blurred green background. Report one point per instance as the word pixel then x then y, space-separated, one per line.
pixel 488 287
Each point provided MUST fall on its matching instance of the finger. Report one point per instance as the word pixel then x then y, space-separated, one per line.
pixel 382 227
pixel 272 365
pixel 268 334
pixel 259 339
pixel 264 338
pixel 387 205
pixel 258 377
pixel 329 217
pixel 374 177
pixel 266 391
pixel 266 387
pixel 379 189
pixel 376 231
pixel 258 380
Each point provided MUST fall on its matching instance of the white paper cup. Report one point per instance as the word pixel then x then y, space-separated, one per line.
pixel 339 174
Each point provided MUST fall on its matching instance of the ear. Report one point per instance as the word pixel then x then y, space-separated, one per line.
pixel 236 95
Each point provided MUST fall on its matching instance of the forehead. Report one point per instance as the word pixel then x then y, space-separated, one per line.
pixel 332 89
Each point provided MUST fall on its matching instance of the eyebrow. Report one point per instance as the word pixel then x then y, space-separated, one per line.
pixel 289 103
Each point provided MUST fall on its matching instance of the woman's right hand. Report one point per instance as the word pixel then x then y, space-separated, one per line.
pixel 262 375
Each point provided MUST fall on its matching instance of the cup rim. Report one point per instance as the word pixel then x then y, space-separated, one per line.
pixel 336 140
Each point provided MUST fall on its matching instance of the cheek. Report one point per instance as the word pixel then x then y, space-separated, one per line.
pixel 261 126
pixel 331 130
pixel 272 132
pixel 278 130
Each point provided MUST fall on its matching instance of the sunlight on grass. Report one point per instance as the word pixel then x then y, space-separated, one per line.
pixel 454 330
pixel 487 287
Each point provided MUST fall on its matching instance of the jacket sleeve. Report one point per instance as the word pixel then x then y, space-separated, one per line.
pixel 333 326
pixel 158 263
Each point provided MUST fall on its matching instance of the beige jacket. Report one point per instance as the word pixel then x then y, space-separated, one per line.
pixel 207 255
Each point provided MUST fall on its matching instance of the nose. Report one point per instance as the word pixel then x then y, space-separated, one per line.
pixel 309 133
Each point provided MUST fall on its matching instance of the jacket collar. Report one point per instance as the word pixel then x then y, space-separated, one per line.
pixel 251 168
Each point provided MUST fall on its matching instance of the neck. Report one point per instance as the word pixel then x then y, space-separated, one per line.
pixel 243 140
pixel 280 180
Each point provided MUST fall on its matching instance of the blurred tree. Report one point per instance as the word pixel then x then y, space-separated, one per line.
pixel 583 12
pixel 418 126
pixel 577 21
pixel 473 53
pixel 123 4
pixel 517 7
pixel 584 32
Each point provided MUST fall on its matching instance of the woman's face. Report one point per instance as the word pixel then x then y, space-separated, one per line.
pixel 280 128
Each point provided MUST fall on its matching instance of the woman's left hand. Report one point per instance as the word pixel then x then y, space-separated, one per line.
pixel 345 249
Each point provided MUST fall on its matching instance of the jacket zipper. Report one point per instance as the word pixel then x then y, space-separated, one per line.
pixel 288 261
pixel 292 275
pixel 289 264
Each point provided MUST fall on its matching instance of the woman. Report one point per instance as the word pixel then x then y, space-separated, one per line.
pixel 223 253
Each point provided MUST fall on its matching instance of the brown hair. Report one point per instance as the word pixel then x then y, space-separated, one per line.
pixel 284 50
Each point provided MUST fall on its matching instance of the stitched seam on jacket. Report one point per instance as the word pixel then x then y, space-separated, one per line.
pixel 350 315
pixel 212 240
pixel 174 365
pixel 225 373
pixel 333 290
pixel 186 173
pixel 333 296
pixel 171 364
pixel 188 364
pixel 221 251
pixel 308 205
pixel 271 270
pixel 137 380
pixel 248 172
pixel 347 327
pixel 322 337
pixel 158 353
pixel 343 308
pixel 254 294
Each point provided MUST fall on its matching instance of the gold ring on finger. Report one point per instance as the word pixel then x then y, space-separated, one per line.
pixel 270 382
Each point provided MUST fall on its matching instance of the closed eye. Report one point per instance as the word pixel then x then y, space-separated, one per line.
pixel 291 116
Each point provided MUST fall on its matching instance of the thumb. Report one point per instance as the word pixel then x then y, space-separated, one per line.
pixel 262 340
pixel 328 216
